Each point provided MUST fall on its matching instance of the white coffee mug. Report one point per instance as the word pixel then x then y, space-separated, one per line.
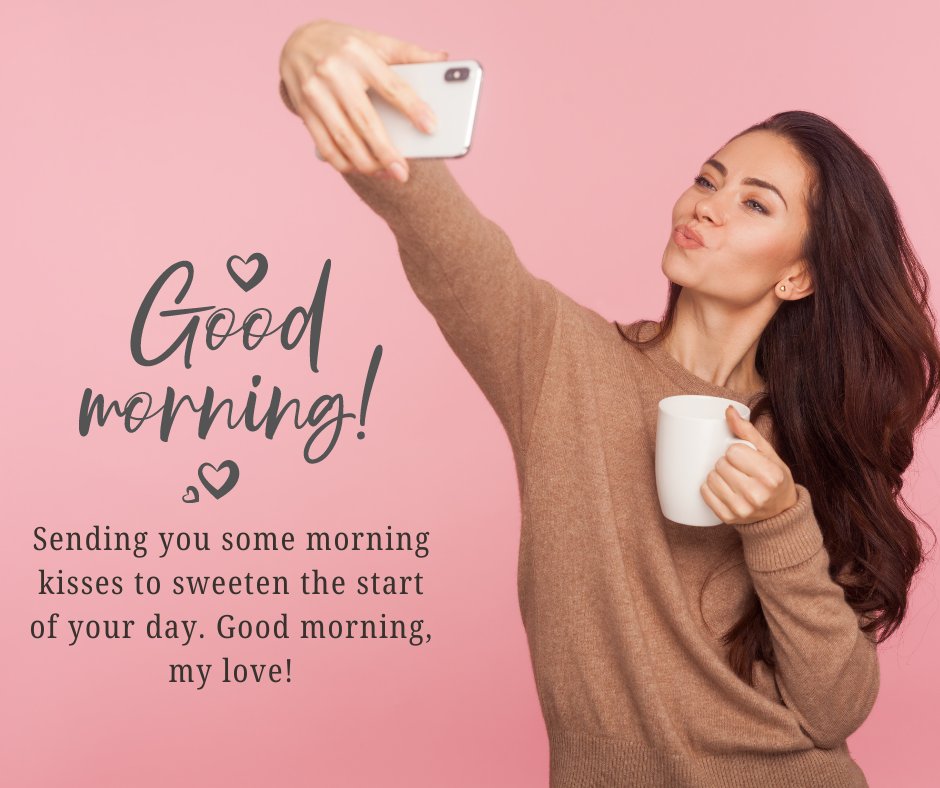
pixel 692 433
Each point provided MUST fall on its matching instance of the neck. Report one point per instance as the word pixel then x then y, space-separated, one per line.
pixel 721 350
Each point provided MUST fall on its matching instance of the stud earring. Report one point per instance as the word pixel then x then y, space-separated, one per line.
pixel 782 287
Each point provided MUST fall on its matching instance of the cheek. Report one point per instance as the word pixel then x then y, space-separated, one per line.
pixel 684 206
pixel 747 269
pixel 758 249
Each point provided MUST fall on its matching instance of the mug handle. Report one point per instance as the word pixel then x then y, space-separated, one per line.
pixel 740 440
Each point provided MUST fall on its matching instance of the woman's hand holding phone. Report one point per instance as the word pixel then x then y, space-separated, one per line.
pixel 327 68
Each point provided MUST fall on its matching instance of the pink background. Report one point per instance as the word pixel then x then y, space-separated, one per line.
pixel 137 135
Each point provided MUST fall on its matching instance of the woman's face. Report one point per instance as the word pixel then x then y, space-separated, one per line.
pixel 752 235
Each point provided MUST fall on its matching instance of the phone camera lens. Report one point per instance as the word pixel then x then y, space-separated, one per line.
pixel 456 74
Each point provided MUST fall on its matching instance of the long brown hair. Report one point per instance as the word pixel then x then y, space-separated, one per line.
pixel 852 374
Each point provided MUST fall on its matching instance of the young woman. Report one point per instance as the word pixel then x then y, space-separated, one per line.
pixel 742 654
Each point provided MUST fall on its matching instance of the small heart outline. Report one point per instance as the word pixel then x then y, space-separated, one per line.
pixel 259 274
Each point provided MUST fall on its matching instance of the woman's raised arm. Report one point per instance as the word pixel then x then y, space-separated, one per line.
pixel 497 316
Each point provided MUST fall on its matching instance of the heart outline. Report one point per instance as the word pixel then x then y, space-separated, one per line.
pixel 218 492
pixel 259 274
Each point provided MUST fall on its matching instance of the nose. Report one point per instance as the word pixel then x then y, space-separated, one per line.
pixel 705 210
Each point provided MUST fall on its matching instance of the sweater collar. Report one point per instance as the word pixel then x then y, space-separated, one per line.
pixel 686 380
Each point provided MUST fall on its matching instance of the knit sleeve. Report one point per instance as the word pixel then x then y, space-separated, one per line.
pixel 827 667
pixel 496 316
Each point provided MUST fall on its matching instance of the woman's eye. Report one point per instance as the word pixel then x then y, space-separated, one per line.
pixel 701 180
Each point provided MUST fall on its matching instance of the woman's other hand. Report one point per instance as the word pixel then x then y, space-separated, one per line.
pixel 327 68
pixel 746 485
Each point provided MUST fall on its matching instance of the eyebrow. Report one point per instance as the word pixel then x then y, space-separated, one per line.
pixel 749 181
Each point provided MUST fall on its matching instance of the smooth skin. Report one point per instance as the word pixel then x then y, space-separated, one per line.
pixel 730 286
pixel 327 68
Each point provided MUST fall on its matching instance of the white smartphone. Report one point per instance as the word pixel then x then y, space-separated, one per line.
pixel 452 90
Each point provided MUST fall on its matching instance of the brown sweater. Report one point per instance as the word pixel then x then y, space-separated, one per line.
pixel 633 681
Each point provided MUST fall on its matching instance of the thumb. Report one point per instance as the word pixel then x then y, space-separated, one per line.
pixel 738 423
pixel 742 428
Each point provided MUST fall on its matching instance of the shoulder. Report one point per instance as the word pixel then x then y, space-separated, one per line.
pixel 595 326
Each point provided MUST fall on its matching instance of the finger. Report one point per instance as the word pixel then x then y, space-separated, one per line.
pixel 334 77
pixel 741 485
pixel 287 98
pixel 716 504
pixel 325 143
pixel 295 101
pixel 768 470
pixel 365 119
pixel 394 50
pixel 735 477
pixel 728 497
pixel 745 458
pixel 391 87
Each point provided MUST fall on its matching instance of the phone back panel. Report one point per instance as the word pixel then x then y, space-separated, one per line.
pixel 454 103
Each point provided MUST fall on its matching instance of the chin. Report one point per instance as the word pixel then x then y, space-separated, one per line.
pixel 672 269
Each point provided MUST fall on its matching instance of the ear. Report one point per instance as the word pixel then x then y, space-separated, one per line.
pixel 800 284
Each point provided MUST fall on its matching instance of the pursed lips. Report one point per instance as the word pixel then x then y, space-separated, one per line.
pixel 688 232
